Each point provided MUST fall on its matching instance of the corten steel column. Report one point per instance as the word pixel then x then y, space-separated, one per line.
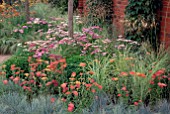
pixel 70 18
pixel 27 10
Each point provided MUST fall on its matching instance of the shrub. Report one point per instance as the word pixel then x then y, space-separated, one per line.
pixel 73 64
pixel 20 61
pixel 63 5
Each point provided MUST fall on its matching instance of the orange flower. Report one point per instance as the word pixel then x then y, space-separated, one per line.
pixel 68 93
pixel 73 74
pixel 44 78
pixel 136 103
pixel 63 99
pixel 48 83
pixel 141 75
pixel 96 60
pixel 115 79
pixel 62 61
pixel 38 73
pixel 52 100
pixel 75 93
pixel 161 85
pixel 64 85
pixel 70 109
pixel 132 73
pixel 5 82
pixel 13 67
pixel 64 65
pixel 123 74
pixel 88 85
pixel 99 86
pixel 78 85
pixel 11 77
pixel 39 60
pixel 91 80
pixel 111 60
pixel 72 87
pixel 26 74
pixel 81 74
pixel 17 73
pixel 72 79
pixel 71 105
pixel 93 91
pixel 16 80
pixel 124 88
pixel 78 82
pixel 91 72
pixel 129 58
pixel 119 95
pixel 65 89
pixel 82 64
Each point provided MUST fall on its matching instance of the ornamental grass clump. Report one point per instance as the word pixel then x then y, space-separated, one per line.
pixel 134 78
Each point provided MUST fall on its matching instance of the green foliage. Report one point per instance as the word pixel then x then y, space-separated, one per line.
pixel 8 43
pixel 114 74
pixel 45 11
pixel 62 5
pixel 98 11
pixel 142 22
pixel 73 64
pixel 20 61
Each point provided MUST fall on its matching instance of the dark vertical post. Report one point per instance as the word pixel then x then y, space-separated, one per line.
pixel 70 18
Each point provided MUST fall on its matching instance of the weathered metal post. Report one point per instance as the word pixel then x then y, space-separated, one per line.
pixel 70 18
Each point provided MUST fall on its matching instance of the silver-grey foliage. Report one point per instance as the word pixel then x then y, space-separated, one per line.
pixel 13 103
pixel 103 105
